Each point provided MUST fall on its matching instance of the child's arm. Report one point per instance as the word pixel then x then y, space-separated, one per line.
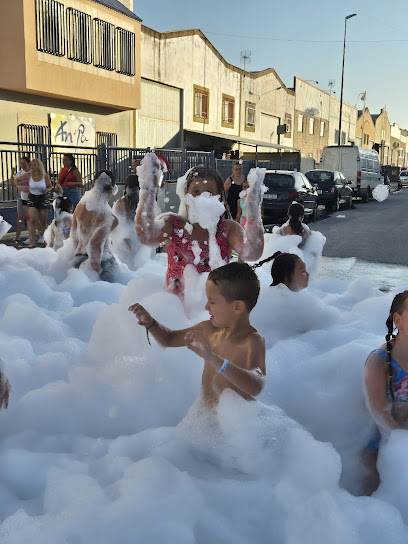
pixel 164 336
pixel 251 379
pixel 375 388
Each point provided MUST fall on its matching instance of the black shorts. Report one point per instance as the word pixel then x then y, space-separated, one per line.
pixel 108 269
pixel 40 202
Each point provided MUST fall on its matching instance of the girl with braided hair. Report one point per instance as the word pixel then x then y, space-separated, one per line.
pixel 295 225
pixel 386 383
pixel 289 269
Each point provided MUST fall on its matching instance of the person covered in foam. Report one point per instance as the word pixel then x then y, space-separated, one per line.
pixel 125 243
pixel 287 269
pixel 295 225
pixel 198 235
pixel 232 349
pixel 60 227
pixel 92 224
pixel 386 385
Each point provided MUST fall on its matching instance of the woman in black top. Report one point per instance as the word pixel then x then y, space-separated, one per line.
pixel 232 188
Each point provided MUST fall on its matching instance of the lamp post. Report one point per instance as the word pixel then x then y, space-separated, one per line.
pixel 342 73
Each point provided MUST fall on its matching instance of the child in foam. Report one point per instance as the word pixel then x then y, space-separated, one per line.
pixel 295 225
pixel 232 349
pixel 287 269
pixel 386 384
pixel 60 227
pixel 124 240
pixel 197 235
pixel 5 389
pixel 242 205
pixel 92 223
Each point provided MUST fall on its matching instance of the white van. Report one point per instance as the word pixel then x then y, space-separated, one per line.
pixel 359 165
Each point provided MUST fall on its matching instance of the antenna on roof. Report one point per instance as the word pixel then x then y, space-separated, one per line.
pixel 246 57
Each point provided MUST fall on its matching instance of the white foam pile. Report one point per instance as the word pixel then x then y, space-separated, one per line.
pixel 4 227
pixel 96 445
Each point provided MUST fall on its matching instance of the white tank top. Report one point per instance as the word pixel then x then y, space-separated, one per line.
pixel 37 187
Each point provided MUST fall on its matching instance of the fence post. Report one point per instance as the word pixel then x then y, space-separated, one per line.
pixel 102 158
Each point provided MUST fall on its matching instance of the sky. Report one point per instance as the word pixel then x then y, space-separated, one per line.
pixel 305 39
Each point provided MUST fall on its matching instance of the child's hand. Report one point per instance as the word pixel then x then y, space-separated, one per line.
pixel 5 389
pixel 143 316
pixel 13 170
pixel 198 344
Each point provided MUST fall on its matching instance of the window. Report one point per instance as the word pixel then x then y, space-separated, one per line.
pixel 50 27
pixel 33 134
pixel 201 100
pixel 311 125
pixel 104 50
pixel 300 123
pixel 250 116
pixel 343 138
pixel 366 138
pixel 228 107
pixel 288 123
pixel 126 44
pixel 336 136
pixel 107 139
pixel 321 129
pixel 79 36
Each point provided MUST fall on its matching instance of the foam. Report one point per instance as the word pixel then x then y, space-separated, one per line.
pixel 104 441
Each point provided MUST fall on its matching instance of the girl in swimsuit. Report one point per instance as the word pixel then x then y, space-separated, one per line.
pixel 232 188
pixel 60 227
pixel 295 225
pixel 289 269
pixel 386 385
pixel 186 241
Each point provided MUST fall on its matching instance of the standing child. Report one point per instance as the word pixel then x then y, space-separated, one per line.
pixel 232 349
pixel 289 269
pixel 242 205
pixel 295 225
pixel 386 385
pixel 61 224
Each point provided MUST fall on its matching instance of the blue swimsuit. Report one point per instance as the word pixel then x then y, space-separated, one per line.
pixel 399 387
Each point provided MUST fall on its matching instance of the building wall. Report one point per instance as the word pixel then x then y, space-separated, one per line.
pixel 24 69
pixel 369 130
pixel 186 59
pixel 383 136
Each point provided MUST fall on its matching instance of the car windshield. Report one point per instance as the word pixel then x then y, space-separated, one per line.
pixel 404 173
pixel 320 178
pixel 284 181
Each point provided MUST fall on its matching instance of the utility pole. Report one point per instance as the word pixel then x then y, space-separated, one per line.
pixel 362 120
pixel 342 73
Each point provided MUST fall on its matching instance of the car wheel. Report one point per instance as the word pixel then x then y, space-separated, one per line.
pixel 350 203
pixel 313 215
pixel 365 196
pixel 336 204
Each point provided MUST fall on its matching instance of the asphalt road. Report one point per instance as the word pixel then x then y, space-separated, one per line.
pixel 373 232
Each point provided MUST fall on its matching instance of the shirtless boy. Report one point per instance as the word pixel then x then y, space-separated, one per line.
pixel 92 223
pixel 232 349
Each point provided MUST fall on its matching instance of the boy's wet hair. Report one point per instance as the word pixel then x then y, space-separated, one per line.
pixel 237 281
pixel 205 172
pixel 283 267
pixel 295 212
pixel 64 203
pixel 397 306
pixel 131 195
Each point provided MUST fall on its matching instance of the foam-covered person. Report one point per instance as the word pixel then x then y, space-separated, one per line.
pixel 5 389
pixel 125 243
pixel 386 385
pixel 198 235
pixel 60 227
pixel 294 224
pixel 287 269
pixel 92 224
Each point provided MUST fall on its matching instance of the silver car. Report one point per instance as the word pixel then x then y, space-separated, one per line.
pixel 404 178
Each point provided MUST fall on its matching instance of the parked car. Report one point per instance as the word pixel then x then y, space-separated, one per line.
pixel 404 178
pixel 333 189
pixel 360 165
pixel 285 187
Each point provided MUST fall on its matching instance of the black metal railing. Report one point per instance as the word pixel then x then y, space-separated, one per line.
pixel 50 26
pixel 104 45
pixel 79 36
pixel 126 46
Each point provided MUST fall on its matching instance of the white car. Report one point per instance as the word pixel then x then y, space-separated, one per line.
pixel 404 178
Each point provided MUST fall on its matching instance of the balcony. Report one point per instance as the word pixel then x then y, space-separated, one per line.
pixel 77 50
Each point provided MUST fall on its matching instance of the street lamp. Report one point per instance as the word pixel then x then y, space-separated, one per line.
pixel 342 72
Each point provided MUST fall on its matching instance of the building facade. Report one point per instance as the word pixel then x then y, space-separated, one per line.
pixel 382 136
pixel 365 138
pixel 72 72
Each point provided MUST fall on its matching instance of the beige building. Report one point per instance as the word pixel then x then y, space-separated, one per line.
pixel 192 97
pixel 398 146
pixel 366 139
pixel 382 136
pixel 316 120
pixel 71 75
